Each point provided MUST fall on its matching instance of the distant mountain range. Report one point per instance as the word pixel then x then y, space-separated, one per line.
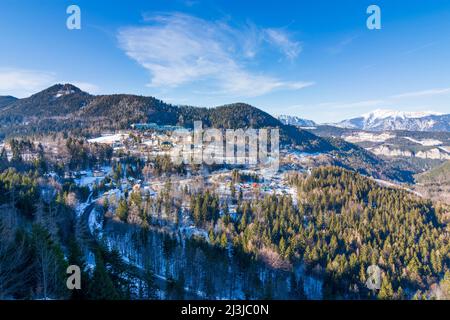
pixel 66 108
pixel 296 121
pixel 386 120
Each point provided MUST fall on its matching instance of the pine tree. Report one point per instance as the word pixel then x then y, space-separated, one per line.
pixel 233 191
pixel 76 257
pixel 386 291
pixel 223 240
pixel 105 204
pixel 50 264
pixel 101 287
pixel 400 295
pixel 197 211
pixel 282 246
pixel 122 210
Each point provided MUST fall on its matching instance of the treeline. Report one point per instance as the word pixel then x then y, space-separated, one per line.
pixel 74 154
pixel 238 176
pixel 164 165
pixel 137 207
pixel 25 155
pixel 82 155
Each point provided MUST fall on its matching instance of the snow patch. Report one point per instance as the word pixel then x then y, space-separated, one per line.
pixel 93 222
pixel 386 113
pixel 108 138
pixel 425 142
pixel 62 93
pixel 367 136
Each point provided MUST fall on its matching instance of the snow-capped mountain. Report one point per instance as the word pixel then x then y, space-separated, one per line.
pixel 296 121
pixel 383 120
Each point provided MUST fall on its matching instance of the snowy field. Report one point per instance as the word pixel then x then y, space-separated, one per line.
pixel 425 142
pixel 109 138
pixel 370 137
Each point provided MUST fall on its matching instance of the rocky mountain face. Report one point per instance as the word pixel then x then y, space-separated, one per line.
pixel 387 120
pixel 416 151
pixel 433 153
pixel 296 121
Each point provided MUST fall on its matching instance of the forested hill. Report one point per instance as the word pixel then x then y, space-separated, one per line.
pixel 440 174
pixel 343 224
pixel 58 100
pixel 241 115
pixel 119 111
pixel 353 223
pixel 6 100
pixel 233 116
pixel 66 107
pixel 69 109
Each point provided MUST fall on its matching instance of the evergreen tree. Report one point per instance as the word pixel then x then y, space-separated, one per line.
pixel 76 257
pixel 101 286
pixel 386 292
pixel 122 210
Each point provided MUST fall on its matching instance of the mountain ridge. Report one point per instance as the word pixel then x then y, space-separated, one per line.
pixel 65 102
pixel 6 100
pixel 57 100
pixel 296 121
pixel 389 120
pixel 67 108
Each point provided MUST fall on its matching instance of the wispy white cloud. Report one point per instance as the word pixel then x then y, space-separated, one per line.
pixel 179 49
pixel 422 93
pixel 281 39
pixel 21 82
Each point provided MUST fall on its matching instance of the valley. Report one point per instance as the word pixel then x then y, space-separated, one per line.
pixel 92 178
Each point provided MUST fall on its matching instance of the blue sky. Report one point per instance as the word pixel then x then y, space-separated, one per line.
pixel 314 59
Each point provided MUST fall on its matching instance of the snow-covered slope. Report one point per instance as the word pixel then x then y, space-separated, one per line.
pixel 382 120
pixel 296 121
